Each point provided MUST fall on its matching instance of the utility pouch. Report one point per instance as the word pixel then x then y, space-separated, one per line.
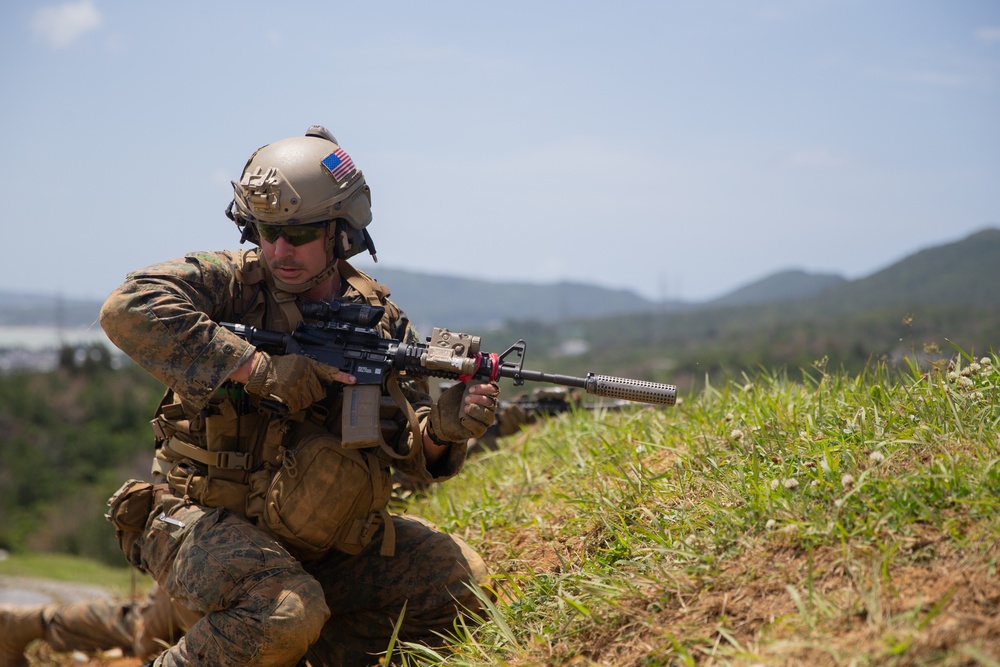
pixel 189 481
pixel 327 496
pixel 128 511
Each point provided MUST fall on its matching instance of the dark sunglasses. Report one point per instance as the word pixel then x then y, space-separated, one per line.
pixel 295 234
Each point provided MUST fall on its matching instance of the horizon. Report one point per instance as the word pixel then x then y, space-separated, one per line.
pixel 734 289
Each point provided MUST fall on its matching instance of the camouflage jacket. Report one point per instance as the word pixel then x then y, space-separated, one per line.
pixel 166 318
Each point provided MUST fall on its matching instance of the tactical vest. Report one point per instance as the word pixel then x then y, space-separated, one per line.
pixel 291 475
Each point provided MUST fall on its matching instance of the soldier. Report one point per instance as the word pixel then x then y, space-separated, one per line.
pixel 260 519
pixel 141 628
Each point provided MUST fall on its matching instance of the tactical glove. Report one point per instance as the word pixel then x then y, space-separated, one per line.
pixel 294 379
pixel 449 421
pixel 510 418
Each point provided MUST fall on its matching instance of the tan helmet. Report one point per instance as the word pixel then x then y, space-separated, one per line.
pixel 302 180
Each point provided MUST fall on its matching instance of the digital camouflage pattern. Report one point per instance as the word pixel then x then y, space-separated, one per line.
pixel 256 604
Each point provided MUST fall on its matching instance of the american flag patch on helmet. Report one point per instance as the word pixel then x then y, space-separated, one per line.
pixel 339 164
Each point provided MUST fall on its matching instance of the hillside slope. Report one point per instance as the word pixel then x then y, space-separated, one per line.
pixel 963 272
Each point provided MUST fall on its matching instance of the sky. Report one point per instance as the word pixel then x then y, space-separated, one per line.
pixel 677 149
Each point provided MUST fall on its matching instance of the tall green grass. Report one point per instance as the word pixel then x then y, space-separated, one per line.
pixel 820 519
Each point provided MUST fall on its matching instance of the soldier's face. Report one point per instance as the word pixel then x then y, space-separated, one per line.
pixel 294 264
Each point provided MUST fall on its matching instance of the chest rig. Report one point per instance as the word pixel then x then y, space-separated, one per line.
pixel 290 474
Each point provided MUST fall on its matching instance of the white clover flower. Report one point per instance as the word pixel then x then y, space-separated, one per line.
pixel 791 483
pixel 729 417
pixel 640 449
pixel 974 367
pixel 814 483
pixel 771 524
pixel 847 480
pixel 986 361
pixel 736 435
pixel 876 457
pixel 966 383
pixel 748 387
pixel 774 484
pixel 967 371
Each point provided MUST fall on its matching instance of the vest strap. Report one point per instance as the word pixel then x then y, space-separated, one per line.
pixel 226 460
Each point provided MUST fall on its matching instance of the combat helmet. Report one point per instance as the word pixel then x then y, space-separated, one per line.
pixel 300 181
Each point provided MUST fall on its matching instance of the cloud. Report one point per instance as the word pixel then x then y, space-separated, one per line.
pixel 60 26
pixel 988 34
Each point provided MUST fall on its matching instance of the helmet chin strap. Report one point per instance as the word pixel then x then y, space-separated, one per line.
pixel 299 288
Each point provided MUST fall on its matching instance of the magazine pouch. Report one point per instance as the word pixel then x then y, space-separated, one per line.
pixel 325 496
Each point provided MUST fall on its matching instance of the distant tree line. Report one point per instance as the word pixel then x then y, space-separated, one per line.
pixel 68 439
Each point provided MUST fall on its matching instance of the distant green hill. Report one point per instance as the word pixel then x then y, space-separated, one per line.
pixel 792 284
pixel 467 304
pixel 964 272
pixel 919 308
pixel 948 275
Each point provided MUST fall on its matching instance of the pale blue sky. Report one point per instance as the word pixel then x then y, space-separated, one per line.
pixel 680 149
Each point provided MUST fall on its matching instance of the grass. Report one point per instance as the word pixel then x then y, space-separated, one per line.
pixel 822 520
pixel 71 569
pixel 825 519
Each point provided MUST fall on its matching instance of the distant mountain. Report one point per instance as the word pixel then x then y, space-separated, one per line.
pixel 782 286
pixel 964 272
pixel 429 301
pixel 17 309
pixel 464 303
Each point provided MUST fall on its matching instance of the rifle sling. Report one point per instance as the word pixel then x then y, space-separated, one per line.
pixel 392 384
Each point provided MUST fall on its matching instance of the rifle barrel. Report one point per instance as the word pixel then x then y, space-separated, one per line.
pixel 607 386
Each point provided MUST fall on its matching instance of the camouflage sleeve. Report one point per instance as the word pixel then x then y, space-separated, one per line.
pixel 417 392
pixel 164 318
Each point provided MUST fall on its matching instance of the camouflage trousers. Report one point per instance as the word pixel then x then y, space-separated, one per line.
pixel 258 605
pixel 143 627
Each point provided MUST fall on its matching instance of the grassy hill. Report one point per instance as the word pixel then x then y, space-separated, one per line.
pixel 833 521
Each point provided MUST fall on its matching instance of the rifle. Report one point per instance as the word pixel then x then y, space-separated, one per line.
pixel 344 335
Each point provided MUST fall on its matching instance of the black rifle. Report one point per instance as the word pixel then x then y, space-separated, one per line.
pixel 344 335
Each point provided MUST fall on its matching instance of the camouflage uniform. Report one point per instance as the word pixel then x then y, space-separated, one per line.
pixel 258 603
pixel 142 628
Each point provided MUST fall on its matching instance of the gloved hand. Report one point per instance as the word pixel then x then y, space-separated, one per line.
pixel 294 379
pixel 510 418
pixel 456 419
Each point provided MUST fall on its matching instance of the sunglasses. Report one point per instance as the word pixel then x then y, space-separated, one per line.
pixel 295 234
